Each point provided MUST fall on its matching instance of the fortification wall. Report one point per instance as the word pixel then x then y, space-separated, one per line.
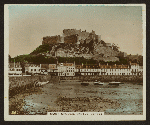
pixel 70 39
pixel 51 40
pixel 83 35
pixel 68 32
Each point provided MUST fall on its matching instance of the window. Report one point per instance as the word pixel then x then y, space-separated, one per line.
pixel 110 69
pixel 67 73
pixel 31 69
pixel 34 69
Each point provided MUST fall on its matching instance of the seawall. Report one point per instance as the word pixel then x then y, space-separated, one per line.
pixel 22 83
pixel 105 78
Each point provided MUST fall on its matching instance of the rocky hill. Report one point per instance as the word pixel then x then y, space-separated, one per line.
pixel 95 50
pixel 73 43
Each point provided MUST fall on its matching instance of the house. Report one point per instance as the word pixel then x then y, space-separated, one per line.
pixel 14 69
pixel 89 69
pixel 53 71
pixel 32 68
pixel 66 69
pixel 44 69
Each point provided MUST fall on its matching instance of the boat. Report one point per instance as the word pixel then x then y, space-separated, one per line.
pixel 84 84
pixel 115 83
pixel 98 83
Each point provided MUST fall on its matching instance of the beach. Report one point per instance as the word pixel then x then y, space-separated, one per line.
pixel 71 96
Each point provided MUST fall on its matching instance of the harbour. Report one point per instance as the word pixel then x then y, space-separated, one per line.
pixel 71 96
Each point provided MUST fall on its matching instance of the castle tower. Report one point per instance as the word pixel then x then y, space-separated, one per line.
pixel 99 38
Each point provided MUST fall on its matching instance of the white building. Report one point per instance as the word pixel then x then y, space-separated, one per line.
pixel 14 69
pixel 133 69
pixel 66 69
pixel 32 68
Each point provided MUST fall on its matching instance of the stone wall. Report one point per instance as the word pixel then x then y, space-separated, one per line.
pixel 70 39
pixel 69 32
pixel 105 78
pixel 51 40
pixel 19 81
pixel 83 35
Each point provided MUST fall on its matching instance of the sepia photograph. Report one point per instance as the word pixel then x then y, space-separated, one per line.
pixel 74 62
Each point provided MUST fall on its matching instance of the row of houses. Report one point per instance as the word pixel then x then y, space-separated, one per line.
pixel 71 69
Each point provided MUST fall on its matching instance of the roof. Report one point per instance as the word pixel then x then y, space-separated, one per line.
pixel 66 64
pixel 45 66
pixel 133 63
pixel 32 65
pixel 106 66
pixel 11 65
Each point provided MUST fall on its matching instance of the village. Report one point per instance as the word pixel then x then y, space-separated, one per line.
pixel 81 44
pixel 71 69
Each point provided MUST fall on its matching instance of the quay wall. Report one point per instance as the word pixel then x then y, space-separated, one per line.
pixel 21 84
pixel 25 80
pixel 105 78
pixel 19 81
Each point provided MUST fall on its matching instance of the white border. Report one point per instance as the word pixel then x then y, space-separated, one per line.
pixel 8 117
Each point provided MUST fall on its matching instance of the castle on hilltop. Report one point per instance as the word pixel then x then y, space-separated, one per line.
pixel 72 36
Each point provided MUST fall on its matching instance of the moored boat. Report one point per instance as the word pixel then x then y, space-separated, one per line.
pixel 115 83
pixel 98 83
pixel 85 84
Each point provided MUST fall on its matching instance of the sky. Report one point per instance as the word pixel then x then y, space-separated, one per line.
pixel 121 25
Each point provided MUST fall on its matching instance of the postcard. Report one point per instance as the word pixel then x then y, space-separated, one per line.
pixel 74 62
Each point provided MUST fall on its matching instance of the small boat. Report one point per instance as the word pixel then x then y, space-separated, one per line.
pixel 115 83
pixel 84 84
pixel 98 83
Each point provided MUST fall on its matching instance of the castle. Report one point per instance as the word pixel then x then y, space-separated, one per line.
pixel 72 36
